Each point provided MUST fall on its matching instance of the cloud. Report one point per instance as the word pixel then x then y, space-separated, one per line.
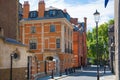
pixel 80 11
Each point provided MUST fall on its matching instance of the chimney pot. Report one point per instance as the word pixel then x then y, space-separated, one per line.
pixel 26 2
pixel 65 10
pixel 26 9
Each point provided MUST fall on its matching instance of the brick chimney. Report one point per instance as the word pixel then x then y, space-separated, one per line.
pixel 65 10
pixel 41 8
pixel 25 9
pixel 85 21
pixel 74 21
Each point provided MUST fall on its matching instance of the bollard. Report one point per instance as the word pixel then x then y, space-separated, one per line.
pixel 52 75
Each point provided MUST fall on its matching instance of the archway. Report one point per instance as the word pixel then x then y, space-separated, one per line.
pixel 57 62
pixel 49 58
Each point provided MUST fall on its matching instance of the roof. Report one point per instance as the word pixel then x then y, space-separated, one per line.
pixel 80 27
pixel 13 41
pixel 50 13
pixel 51 8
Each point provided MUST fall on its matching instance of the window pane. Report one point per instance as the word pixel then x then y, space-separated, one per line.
pixel 58 40
pixel 58 43
pixel 33 44
pixel 52 28
pixel 33 29
pixel 52 13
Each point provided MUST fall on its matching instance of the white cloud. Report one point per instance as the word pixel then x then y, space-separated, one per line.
pixel 81 10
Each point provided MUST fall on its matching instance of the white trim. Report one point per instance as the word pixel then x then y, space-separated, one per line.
pixel 62 39
pixel 63 20
pixel 42 38
pixel 23 34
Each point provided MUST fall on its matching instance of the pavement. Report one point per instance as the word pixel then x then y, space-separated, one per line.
pixel 107 76
pixel 56 77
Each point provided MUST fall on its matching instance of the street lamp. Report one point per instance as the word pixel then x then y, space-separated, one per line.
pixel 12 56
pixel 97 17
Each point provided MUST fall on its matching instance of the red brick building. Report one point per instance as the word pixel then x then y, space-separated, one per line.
pixel 79 42
pixel 49 34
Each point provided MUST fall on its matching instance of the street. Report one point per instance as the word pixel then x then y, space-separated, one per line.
pixel 88 73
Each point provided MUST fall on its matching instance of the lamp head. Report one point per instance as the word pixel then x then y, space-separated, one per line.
pixel 96 16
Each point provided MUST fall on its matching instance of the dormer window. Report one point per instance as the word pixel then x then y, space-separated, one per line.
pixel 33 14
pixel 52 13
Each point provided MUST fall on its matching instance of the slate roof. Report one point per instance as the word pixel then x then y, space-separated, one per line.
pixel 13 41
pixel 81 29
pixel 50 13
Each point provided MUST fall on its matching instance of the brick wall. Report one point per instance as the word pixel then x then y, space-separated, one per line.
pixel 9 17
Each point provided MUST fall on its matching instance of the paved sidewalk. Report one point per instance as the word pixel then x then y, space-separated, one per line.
pixel 108 76
pixel 56 77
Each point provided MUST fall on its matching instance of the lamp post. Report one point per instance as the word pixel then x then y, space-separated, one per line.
pixel 96 17
pixel 12 56
pixel 104 59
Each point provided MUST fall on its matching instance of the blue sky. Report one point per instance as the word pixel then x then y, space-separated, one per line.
pixel 79 1
pixel 80 9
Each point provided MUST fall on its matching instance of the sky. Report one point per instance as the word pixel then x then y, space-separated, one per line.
pixel 80 9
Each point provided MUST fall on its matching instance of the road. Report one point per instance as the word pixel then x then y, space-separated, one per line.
pixel 88 73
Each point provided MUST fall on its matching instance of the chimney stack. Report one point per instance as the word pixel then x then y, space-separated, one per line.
pixel 74 21
pixel 85 21
pixel 65 10
pixel 26 9
pixel 41 8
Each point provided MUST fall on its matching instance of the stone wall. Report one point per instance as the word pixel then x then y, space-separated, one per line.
pixel 19 65
pixel 18 74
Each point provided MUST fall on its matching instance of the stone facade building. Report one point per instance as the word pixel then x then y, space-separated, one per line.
pixel 117 39
pixel 18 51
pixel 111 44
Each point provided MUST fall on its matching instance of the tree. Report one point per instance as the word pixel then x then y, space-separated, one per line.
pixel 102 42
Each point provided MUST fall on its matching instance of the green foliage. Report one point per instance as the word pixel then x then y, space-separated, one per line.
pixel 102 42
